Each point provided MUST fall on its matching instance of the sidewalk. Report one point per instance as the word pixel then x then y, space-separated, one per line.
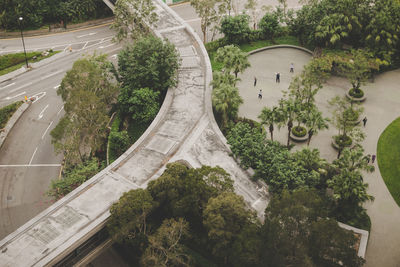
pixel 381 108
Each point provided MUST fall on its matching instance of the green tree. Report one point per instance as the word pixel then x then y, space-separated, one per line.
pixel 165 246
pixel 315 122
pixel 251 6
pixel 271 117
pixel 119 142
pixel 226 100
pixel 133 18
pixel 141 105
pixel 206 10
pixel 349 189
pixel 225 217
pixel 288 107
pixel 233 59
pixel 149 62
pixel 72 178
pixel 236 29
pixel 88 95
pixel 247 143
pixel 269 26
pixel 382 29
pixel 220 78
pixel 358 69
pixel 128 220
pixel 183 192
pixel 295 234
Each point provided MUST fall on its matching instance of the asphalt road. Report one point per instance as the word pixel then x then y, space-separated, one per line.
pixel 27 159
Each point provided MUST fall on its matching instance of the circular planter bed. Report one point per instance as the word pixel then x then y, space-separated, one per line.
pixel 354 119
pixel 338 139
pixel 299 134
pixel 356 97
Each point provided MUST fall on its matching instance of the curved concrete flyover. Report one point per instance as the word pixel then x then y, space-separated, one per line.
pixel 184 129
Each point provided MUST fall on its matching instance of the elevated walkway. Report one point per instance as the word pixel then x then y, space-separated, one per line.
pixel 184 129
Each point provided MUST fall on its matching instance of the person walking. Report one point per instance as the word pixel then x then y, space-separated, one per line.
pixel 365 121
pixel 373 158
pixel 291 67
pixel 368 158
pixel 255 81
pixel 260 94
pixel 278 77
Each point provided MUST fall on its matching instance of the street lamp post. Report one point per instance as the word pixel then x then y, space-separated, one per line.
pixel 23 43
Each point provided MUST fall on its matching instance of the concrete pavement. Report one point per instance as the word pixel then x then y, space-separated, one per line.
pixel 381 108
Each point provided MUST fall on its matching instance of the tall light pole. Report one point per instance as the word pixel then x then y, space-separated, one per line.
pixel 23 43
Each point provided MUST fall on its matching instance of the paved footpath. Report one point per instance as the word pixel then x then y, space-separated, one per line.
pixel 381 108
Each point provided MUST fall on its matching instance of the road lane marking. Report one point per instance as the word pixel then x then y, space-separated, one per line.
pixel 58 113
pixel 56 87
pixel 11 97
pixel 102 47
pixel 84 45
pixel 18 88
pixel 89 34
pixel 33 156
pixel 42 113
pixel 48 127
pixel 51 74
pixel 8 85
pixel 30 165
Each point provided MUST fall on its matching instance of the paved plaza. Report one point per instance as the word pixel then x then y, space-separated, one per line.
pixel 381 108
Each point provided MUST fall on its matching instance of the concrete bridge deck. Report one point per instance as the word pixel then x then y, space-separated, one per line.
pixel 184 129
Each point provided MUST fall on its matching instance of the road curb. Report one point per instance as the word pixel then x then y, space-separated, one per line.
pixel 12 121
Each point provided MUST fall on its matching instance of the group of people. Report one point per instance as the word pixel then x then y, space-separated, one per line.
pixel 277 79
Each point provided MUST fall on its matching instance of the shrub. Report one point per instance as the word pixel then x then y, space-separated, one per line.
pixel 7 112
pixel 343 140
pixel 356 93
pixel 299 131
pixel 269 26
pixel 236 29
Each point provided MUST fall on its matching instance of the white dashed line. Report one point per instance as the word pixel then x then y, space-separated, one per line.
pixel 48 127
pixel 33 156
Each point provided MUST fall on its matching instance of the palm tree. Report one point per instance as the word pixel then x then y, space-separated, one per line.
pixel 226 100
pixel 288 109
pixel 233 59
pixel 315 122
pixel 221 77
pixel 270 117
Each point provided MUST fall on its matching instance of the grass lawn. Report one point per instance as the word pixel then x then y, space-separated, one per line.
pixel 247 47
pixel 7 111
pixel 11 62
pixel 389 158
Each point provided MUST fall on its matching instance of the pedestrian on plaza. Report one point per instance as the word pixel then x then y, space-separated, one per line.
pixel 291 67
pixel 255 81
pixel 368 158
pixel 365 121
pixel 260 94
pixel 373 158
pixel 278 77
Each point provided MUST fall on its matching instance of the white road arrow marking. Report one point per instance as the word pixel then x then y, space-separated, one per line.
pixel 11 97
pixel 42 113
pixel 37 96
